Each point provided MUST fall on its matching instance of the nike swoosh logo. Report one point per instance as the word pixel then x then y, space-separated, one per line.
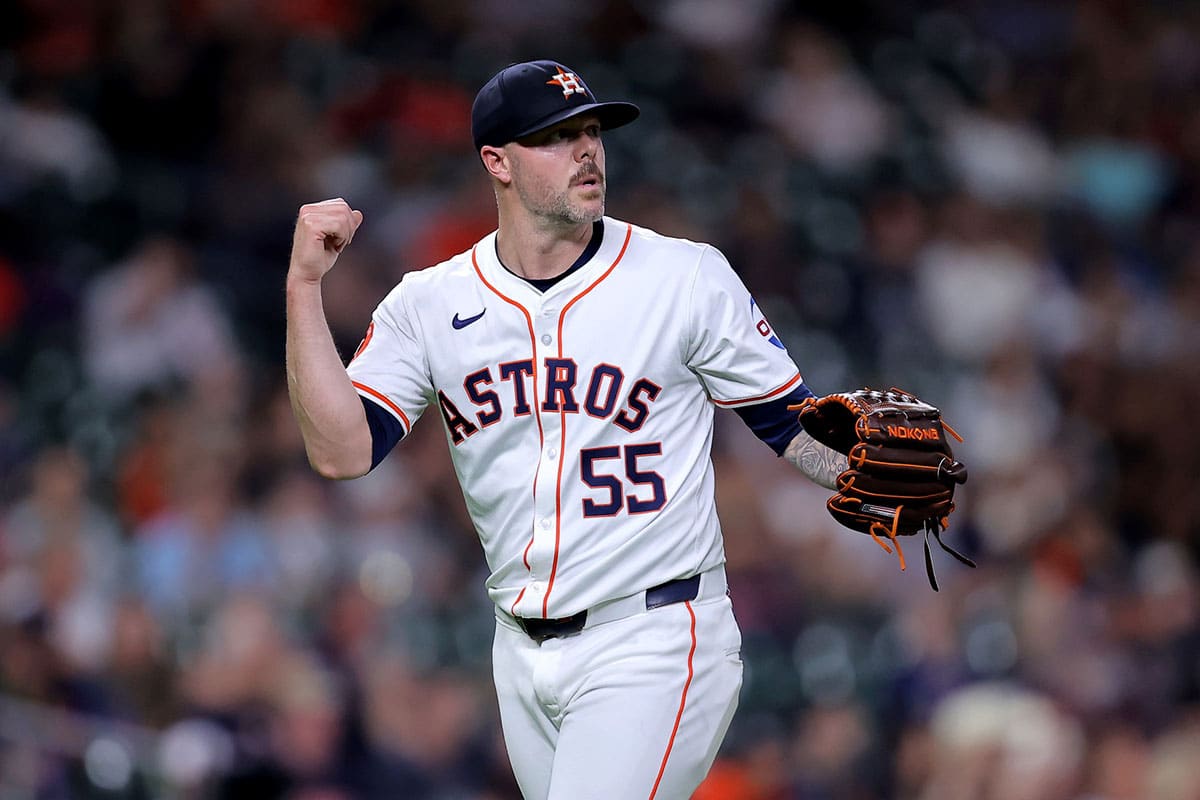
pixel 459 324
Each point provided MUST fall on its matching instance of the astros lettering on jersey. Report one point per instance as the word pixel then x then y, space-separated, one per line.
pixel 565 401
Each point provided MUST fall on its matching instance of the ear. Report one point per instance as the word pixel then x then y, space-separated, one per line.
pixel 495 161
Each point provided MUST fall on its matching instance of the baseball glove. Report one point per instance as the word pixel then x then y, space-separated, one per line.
pixel 902 473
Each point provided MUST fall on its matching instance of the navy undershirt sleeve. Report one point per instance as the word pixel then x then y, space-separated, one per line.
pixel 386 430
pixel 772 422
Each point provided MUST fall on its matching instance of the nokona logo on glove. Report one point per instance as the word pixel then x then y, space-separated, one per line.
pixel 920 434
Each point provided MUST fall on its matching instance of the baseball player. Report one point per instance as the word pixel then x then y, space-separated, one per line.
pixel 574 361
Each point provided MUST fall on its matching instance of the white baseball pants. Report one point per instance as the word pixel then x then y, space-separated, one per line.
pixel 632 708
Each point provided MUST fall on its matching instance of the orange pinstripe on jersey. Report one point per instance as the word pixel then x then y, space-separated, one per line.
pixel 537 417
pixel 562 415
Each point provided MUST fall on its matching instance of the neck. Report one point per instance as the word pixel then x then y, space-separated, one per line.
pixel 535 249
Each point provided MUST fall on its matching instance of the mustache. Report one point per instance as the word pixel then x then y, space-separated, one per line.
pixel 589 171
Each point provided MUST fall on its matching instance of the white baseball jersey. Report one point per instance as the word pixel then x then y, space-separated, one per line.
pixel 579 419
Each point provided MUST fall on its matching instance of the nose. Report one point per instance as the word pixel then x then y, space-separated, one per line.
pixel 588 145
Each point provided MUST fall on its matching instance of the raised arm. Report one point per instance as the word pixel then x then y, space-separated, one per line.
pixel 327 407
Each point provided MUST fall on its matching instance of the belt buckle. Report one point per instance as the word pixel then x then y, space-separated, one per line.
pixel 537 637
pixel 542 629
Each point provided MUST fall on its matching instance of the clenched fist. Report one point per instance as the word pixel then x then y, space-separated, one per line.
pixel 322 231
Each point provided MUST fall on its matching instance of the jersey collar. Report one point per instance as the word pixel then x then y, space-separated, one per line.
pixel 592 262
pixel 543 284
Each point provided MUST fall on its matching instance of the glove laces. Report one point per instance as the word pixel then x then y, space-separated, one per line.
pixel 879 530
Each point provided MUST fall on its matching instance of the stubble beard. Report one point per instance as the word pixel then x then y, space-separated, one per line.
pixel 556 208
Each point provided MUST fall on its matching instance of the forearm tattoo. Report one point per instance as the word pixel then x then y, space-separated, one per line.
pixel 820 463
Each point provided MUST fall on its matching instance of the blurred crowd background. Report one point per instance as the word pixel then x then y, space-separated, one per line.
pixel 994 204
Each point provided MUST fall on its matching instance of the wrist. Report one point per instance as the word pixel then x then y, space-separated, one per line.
pixel 298 280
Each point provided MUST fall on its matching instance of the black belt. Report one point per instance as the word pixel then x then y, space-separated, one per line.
pixel 664 594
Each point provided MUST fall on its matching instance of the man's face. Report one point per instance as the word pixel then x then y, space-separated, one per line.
pixel 559 172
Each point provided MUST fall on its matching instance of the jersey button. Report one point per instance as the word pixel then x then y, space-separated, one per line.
pixel 552 453
pixel 547 338
pixel 537 587
pixel 545 523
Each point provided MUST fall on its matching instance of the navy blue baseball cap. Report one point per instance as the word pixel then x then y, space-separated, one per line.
pixel 525 98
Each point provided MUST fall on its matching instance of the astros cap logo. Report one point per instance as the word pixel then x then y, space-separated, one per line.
pixel 569 83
